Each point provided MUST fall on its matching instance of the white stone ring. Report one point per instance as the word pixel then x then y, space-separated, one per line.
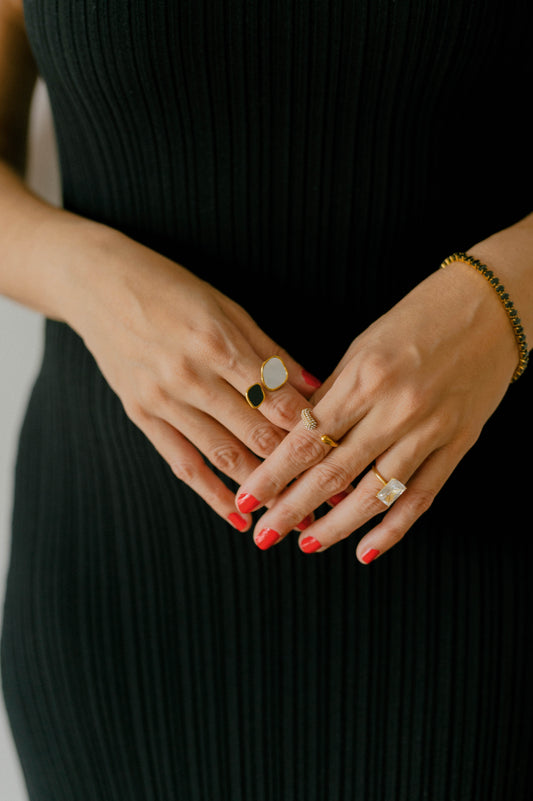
pixel 273 375
pixel 390 490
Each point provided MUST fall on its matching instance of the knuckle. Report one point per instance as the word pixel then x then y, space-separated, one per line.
pixel 412 400
pixel 304 450
pixel 332 477
pixel 184 470
pixel 419 500
pixel 183 373
pixel 217 344
pixel 135 412
pixel 263 440
pixel 289 513
pixel 285 407
pixel 151 396
pixel 226 457
pixel 395 534
pixel 468 437
pixel 376 370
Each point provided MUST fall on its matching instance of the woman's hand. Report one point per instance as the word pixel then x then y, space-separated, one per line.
pixel 412 395
pixel 180 356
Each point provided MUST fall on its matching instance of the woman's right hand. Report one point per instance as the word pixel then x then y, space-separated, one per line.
pixel 180 355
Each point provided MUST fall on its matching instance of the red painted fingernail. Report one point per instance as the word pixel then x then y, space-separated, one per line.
pixel 335 499
pixel 310 545
pixel 311 380
pixel 370 555
pixel 237 521
pixel 266 538
pixel 305 522
pixel 247 502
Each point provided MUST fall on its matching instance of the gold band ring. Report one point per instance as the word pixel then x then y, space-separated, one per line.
pixel 391 490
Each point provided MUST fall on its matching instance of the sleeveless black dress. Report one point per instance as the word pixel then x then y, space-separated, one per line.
pixel 323 156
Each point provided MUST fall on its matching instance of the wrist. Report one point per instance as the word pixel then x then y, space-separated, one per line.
pixel 82 265
pixel 509 254
pixel 498 292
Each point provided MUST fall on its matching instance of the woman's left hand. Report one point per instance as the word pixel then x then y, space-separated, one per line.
pixel 411 395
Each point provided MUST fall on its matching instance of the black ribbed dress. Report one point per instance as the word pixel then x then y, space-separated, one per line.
pixel 313 159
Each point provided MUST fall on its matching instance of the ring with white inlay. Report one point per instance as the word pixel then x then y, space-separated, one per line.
pixel 273 375
pixel 391 490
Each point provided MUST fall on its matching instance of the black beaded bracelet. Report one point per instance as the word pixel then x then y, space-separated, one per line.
pixel 494 281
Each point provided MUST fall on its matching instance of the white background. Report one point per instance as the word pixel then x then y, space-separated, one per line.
pixel 20 353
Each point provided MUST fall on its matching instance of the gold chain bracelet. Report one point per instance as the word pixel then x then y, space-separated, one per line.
pixel 512 314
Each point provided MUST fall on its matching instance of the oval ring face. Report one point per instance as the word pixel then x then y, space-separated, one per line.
pixel 273 373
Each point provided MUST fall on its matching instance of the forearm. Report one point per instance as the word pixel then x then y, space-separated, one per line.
pixel 42 247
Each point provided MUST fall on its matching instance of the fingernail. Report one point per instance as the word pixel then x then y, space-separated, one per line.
pixel 266 538
pixel 311 380
pixel 370 555
pixel 335 499
pixel 310 545
pixel 305 522
pixel 247 502
pixel 237 521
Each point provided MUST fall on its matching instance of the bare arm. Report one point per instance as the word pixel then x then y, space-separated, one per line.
pixel 37 239
pixel 166 341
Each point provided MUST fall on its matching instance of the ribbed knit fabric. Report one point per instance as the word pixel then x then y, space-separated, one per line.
pixel 313 159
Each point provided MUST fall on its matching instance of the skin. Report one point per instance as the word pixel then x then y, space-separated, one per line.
pixel 178 353
pixel 408 396
pixel 180 356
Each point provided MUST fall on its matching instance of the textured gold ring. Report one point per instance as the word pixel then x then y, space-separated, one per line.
pixel 308 420
pixel 391 490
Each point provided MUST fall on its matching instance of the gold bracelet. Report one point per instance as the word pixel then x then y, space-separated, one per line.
pixel 512 314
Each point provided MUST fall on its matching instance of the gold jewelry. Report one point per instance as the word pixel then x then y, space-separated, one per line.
pixel 310 423
pixel 329 441
pixel 512 314
pixel 273 375
pixel 308 420
pixel 391 490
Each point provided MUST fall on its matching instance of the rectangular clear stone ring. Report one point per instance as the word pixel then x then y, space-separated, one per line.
pixel 391 489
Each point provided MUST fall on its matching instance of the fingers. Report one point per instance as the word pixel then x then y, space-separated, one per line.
pixel 221 449
pixel 187 464
pixel 357 507
pixel 282 406
pixel 299 378
pixel 420 494
pixel 301 449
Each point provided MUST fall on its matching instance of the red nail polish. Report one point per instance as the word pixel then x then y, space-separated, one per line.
pixel 305 522
pixel 310 545
pixel 247 502
pixel 237 521
pixel 370 555
pixel 335 499
pixel 266 538
pixel 311 380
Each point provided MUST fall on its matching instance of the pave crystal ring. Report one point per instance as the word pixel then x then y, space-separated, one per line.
pixel 390 490
pixel 308 420
pixel 310 423
pixel 273 375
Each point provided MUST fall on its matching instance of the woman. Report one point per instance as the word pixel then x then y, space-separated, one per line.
pixel 312 163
